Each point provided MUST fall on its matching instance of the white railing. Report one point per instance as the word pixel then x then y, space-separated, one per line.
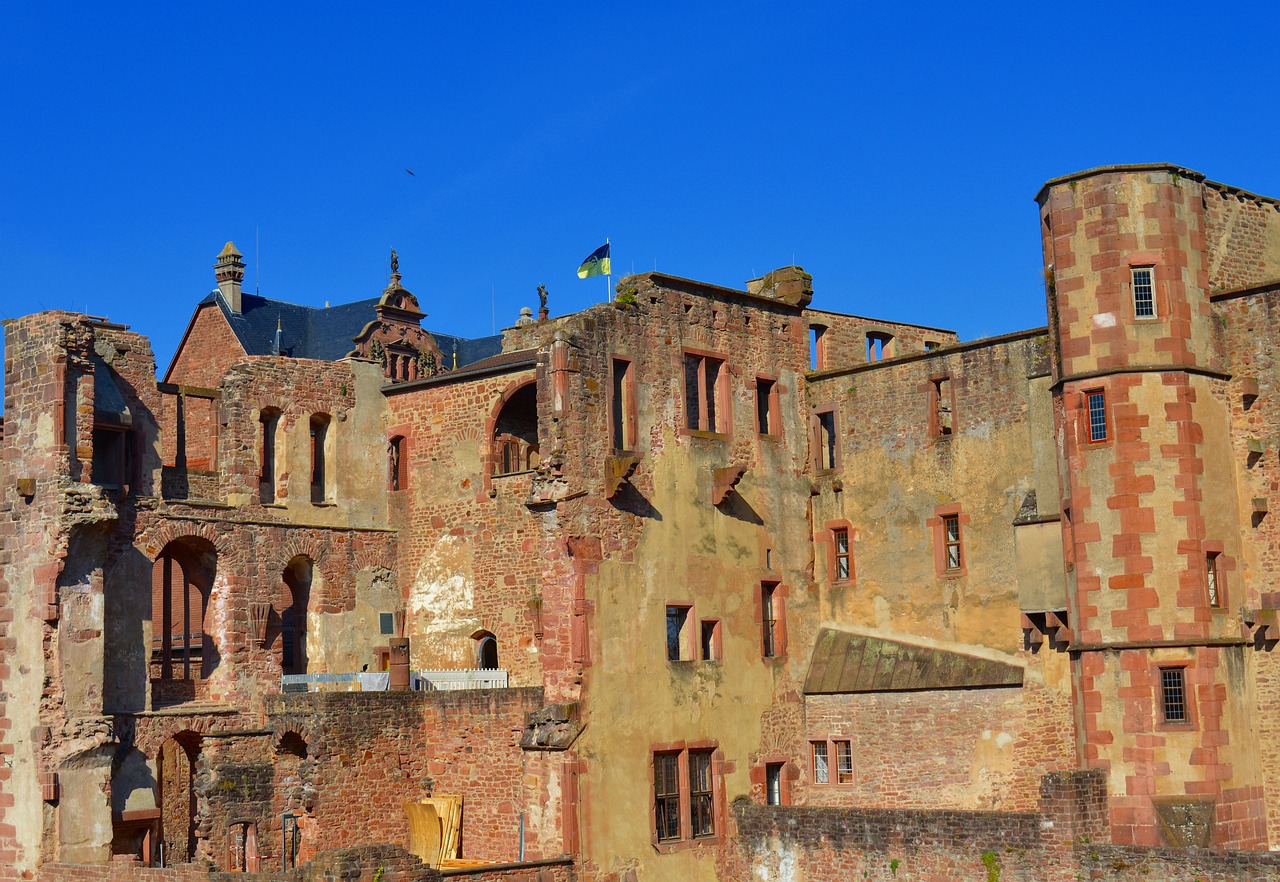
pixel 444 680
pixel 423 681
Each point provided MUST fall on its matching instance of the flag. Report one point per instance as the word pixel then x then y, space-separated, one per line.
pixel 596 264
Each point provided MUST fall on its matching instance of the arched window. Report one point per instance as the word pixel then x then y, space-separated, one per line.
pixel 293 619
pixel 269 422
pixel 319 464
pixel 180 581
pixel 515 434
pixel 486 652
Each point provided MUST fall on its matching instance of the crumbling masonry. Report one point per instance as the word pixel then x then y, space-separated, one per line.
pixel 700 583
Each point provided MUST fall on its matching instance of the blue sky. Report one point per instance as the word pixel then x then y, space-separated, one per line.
pixel 893 150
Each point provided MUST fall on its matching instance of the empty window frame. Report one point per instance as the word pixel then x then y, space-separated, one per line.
pixel 817 347
pixel 269 425
pixel 879 345
pixel 768 408
pixel 824 753
pixel 826 452
pixel 678 632
pixel 1213 580
pixel 684 795
pixel 930 345
pixel 1096 408
pixel 319 431
pixel 112 457
pixel 1144 291
pixel 1173 695
pixel 842 559
pixel 704 378
pixel 941 407
pixel 770 620
pixel 397 464
pixel 622 405
pixel 709 640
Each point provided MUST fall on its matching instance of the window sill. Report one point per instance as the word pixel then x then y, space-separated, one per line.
pixel 769 437
pixel 279 505
pixel 324 504
pixel 513 474
pixel 702 433
pixel 672 845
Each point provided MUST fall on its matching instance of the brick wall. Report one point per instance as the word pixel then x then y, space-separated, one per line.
pixel 1242 232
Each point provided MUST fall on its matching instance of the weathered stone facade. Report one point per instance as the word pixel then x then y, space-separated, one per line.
pixel 731 587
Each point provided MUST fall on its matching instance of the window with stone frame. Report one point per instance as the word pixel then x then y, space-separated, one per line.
pixel 1142 280
pixel 268 426
pixel 705 399
pixel 831 761
pixel 684 795
pixel 841 555
pixel 623 416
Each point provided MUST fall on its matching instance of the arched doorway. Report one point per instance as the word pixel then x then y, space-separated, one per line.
pixel 297 577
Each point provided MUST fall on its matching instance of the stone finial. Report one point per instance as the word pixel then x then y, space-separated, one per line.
pixel 229 271
pixel 526 317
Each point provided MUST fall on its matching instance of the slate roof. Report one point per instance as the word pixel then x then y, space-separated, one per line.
pixel 845 663
pixel 325 333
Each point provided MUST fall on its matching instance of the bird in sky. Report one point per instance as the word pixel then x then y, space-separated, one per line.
pixel 410 171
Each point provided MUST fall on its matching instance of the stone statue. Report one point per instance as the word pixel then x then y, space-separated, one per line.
pixel 395 262
pixel 542 296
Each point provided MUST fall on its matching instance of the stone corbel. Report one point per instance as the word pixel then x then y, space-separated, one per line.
pixel 724 481
pixel 259 615
pixel 1262 625
pixel 618 469
pixel 1037 627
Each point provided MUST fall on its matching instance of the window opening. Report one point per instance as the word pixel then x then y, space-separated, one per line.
pixel 297 578
pixel 397 466
pixel 269 422
pixel 773 784
pixel 291 838
pixel 487 653
pixel 702 375
pixel 817 347
pixel 951 530
pixel 180 582
pixel 710 640
pixel 768 620
pixel 841 544
pixel 112 457
pixel 821 766
pixel 878 346
pixel 387 623
pixel 942 410
pixel 826 430
pixel 1211 576
pixel 623 416
pixel 1097 404
pixel 1173 694
pixel 244 848
pixel 515 434
pixel 666 791
pixel 930 345
pixel 319 472
pixel 768 408
pixel 677 639
pixel 1144 300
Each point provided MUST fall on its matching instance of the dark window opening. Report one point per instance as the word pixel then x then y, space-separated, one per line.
pixel 817 347
pixel 773 784
pixel 397 464
pixel 487 653
pixel 622 425
pixel 940 398
pixel 297 578
pixel 825 430
pixel 769 603
pixel 710 640
pixel 319 431
pixel 269 422
pixel 768 409
pixel 112 457
pixel 1212 578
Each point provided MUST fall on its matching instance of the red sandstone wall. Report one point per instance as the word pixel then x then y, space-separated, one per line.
pixel 1242 233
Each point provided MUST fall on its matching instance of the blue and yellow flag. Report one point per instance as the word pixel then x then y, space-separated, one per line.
pixel 597 264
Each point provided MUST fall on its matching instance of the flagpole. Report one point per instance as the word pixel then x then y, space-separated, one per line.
pixel 608 283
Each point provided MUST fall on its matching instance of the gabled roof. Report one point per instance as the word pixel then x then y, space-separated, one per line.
pixel 324 333
pixel 844 662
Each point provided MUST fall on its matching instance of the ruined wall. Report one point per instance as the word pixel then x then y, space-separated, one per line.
pixel 1242 236
pixel 844 339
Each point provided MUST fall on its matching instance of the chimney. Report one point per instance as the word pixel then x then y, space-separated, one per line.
pixel 229 271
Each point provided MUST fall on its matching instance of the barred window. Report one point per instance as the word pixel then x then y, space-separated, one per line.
pixel 1097 402
pixel 841 542
pixel 701 817
pixel 1173 694
pixel 821 763
pixel 951 535
pixel 684 795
